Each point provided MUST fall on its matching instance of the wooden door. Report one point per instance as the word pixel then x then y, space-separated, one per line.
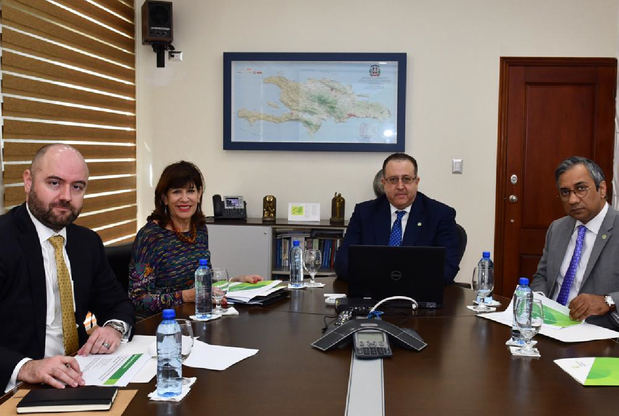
pixel 549 109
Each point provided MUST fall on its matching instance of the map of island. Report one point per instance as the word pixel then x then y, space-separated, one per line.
pixel 314 101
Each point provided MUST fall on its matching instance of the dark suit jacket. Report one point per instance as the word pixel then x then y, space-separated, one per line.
pixel 602 272
pixel 370 224
pixel 22 287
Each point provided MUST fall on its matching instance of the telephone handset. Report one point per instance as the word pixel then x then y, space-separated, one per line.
pixel 406 338
pixel 232 207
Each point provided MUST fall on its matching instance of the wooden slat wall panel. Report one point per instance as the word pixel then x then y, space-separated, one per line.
pixel 122 8
pixel 107 217
pixel 25 151
pixel 27 108
pixel 108 185
pixel 78 22
pixel 59 132
pixel 65 93
pixel 41 95
pixel 13 173
pixel 49 71
pixel 123 241
pixel 107 201
pixel 100 14
pixel 118 231
pixel 24 20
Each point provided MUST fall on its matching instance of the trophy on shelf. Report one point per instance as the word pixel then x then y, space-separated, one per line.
pixel 337 209
pixel 269 204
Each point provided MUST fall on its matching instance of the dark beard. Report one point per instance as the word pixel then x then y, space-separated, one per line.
pixel 45 214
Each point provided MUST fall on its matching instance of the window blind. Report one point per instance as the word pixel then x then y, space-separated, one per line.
pixel 68 75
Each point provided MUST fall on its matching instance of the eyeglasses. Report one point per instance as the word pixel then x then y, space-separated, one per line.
pixel 406 180
pixel 580 191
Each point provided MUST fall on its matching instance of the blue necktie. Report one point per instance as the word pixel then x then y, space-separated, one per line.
pixel 395 239
pixel 571 270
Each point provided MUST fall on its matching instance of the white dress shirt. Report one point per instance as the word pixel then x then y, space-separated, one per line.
pixel 593 228
pixel 404 220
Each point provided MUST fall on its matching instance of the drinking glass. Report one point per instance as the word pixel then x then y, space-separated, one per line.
pixel 483 285
pixel 186 337
pixel 221 282
pixel 312 260
pixel 529 327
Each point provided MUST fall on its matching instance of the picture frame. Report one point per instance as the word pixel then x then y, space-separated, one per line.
pixel 314 101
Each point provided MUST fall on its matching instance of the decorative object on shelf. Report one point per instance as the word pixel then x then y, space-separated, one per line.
pixel 379 189
pixel 269 207
pixel 303 211
pixel 337 209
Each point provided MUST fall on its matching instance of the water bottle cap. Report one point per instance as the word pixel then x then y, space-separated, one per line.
pixel 523 281
pixel 486 254
pixel 203 262
pixel 169 314
pixel 295 243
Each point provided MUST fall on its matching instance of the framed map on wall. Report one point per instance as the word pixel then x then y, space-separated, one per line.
pixel 314 101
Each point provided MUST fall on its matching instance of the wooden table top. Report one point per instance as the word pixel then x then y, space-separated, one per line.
pixel 466 369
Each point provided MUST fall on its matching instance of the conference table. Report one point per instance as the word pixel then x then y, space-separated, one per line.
pixel 466 369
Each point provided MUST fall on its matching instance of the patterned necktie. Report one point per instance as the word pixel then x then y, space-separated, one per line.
pixel 571 270
pixel 69 329
pixel 395 239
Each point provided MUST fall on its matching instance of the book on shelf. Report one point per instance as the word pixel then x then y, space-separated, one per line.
pixel 77 399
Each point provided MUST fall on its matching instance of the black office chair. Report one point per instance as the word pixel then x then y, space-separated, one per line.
pixel 119 257
pixel 463 241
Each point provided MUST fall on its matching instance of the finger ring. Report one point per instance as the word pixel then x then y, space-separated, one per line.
pixel 106 345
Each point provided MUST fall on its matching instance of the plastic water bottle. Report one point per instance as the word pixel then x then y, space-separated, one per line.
pixel 169 363
pixel 296 265
pixel 522 291
pixel 203 284
pixel 484 279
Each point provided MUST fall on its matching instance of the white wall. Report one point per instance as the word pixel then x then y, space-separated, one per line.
pixel 453 49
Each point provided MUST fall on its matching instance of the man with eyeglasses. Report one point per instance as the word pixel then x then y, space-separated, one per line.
pixel 402 216
pixel 580 263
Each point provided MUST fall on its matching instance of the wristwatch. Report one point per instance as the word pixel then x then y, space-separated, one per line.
pixel 117 326
pixel 611 303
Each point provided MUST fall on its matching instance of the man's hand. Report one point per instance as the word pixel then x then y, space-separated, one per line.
pixel 586 305
pixel 103 340
pixel 56 371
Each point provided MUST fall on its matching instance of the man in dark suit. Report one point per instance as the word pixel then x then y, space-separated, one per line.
pixel 580 263
pixel 419 220
pixel 52 273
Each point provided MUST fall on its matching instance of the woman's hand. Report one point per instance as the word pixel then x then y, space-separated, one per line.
pixel 247 278
pixel 188 295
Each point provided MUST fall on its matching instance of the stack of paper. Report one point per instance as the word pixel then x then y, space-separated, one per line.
pixel 592 371
pixel 246 292
pixel 557 323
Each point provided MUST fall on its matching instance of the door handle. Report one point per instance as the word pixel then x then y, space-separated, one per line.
pixel 513 199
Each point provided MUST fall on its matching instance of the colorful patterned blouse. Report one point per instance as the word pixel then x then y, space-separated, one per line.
pixel 162 266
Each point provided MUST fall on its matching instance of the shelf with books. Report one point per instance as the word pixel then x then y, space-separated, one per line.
pixel 327 239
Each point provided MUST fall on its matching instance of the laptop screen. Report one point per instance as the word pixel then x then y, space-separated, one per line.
pixel 383 271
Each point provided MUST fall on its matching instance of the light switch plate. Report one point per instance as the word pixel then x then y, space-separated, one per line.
pixel 456 165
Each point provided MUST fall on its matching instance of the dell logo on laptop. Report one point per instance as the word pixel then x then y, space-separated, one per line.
pixel 395 275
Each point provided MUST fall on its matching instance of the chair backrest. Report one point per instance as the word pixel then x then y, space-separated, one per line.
pixel 119 257
pixel 463 241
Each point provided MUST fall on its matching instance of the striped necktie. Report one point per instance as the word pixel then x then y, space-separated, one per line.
pixel 69 328
pixel 571 270
pixel 395 239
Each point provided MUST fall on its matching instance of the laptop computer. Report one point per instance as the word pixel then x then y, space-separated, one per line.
pixel 383 271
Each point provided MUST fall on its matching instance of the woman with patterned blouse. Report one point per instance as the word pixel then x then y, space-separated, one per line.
pixel 166 251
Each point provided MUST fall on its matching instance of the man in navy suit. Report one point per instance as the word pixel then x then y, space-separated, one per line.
pixel 35 348
pixel 424 221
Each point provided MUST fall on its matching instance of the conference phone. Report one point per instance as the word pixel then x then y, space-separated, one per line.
pixel 406 338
